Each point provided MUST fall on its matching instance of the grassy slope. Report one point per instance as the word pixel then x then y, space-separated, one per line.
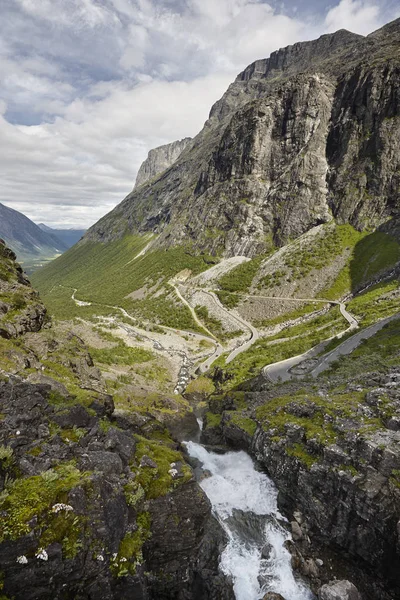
pixel 106 273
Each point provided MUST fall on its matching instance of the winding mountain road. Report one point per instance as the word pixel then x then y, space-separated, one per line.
pixel 281 371
pixel 351 344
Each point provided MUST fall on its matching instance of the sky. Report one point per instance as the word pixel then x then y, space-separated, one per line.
pixel 90 86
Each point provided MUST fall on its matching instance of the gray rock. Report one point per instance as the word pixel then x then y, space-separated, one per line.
pixel 108 463
pixel 159 159
pixel 339 590
pixel 146 461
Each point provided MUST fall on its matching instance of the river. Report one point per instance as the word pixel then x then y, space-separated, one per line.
pixel 244 500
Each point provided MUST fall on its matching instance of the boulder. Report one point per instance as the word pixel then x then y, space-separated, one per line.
pixel 339 590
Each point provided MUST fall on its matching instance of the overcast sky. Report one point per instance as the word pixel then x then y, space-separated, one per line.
pixel 89 86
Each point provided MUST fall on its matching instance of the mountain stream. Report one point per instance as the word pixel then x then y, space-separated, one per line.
pixel 244 500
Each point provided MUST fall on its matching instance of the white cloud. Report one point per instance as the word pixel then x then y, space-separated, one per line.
pixel 79 167
pixel 89 86
pixel 355 15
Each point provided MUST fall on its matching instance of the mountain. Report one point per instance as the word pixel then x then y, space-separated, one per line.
pixel 308 135
pixel 254 284
pixel 31 244
pixel 304 141
pixel 68 237
pixel 159 159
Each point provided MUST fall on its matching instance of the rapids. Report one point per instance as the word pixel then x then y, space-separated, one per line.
pixel 244 501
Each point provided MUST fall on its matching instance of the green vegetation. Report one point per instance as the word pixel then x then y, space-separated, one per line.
pixel 166 309
pixel 371 254
pixel 292 315
pixel 376 354
pixel 159 481
pixel 201 385
pixel 130 548
pixel 213 420
pixel 323 250
pixel 248 425
pixel 263 352
pixel 121 354
pixel 6 456
pixel 378 302
pixel 215 325
pixel 315 420
pixel 271 280
pixel 241 277
pixel 105 274
pixel 24 498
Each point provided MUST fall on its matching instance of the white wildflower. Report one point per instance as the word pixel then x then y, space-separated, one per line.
pixel 58 507
pixel 173 472
pixel 22 560
pixel 100 558
pixel 18 432
pixel 172 465
pixel 42 554
pixel 123 559
pixel 114 556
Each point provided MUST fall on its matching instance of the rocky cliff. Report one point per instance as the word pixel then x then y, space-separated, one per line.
pixel 308 135
pixel 159 159
pixel 94 503
pixel 332 447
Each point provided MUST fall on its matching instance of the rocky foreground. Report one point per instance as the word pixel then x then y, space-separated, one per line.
pixel 93 504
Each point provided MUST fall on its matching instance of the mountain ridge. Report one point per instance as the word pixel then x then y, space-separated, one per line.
pixel 27 239
pixel 229 200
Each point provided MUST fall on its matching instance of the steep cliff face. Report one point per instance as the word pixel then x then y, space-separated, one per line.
pixel 308 135
pixel 159 159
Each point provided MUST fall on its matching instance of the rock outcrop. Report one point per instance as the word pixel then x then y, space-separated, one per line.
pixel 334 456
pixel 20 307
pixel 308 135
pixel 85 517
pixel 159 159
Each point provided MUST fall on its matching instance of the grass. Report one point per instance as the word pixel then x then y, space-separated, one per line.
pixel 130 549
pixel 157 482
pixel 323 250
pixel 121 354
pixel 376 354
pixel 292 315
pixel 213 420
pixel 372 254
pixel 376 303
pixel 107 273
pixel 246 424
pixel 201 385
pixel 241 277
pixel 26 497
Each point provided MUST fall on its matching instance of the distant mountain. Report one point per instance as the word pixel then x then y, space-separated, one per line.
pixel 159 159
pixel 68 237
pixel 31 244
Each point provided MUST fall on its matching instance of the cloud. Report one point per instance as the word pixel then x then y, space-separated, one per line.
pixel 358 16
pixel 89 86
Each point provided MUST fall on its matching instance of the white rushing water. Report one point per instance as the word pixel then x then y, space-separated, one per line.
pixel 245 502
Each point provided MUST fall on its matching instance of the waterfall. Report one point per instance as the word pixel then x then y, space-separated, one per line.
pixel 244 501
